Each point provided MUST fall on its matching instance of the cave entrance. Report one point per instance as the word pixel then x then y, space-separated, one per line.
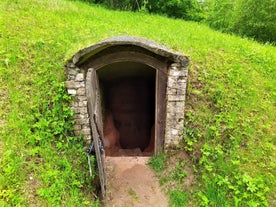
pixel 128 100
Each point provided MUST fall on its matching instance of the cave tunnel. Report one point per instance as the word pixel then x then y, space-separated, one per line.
pixel 128 107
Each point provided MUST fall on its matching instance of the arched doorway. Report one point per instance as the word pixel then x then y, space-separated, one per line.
pixel 137 85
pixel 128 97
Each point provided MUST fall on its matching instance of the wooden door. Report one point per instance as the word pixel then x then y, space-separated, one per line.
pixel 160 108
pixel 94 108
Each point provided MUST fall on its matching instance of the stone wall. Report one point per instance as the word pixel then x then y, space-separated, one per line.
pixel 75 85
pixel 133 49
pixel 176 91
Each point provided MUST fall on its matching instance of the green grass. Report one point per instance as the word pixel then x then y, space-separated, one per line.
pixel 229 127
pixel 157 162
pixel 178 198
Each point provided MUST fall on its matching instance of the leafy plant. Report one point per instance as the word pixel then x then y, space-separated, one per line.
pixel 178 198
pixel 246 18
pixel 179 172
pixel 157 162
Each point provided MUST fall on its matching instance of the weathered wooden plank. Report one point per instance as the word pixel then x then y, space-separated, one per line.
pixel 160 109
pixel 93 102
pixel 130 56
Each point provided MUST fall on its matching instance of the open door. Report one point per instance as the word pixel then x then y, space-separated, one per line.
pixel 94 108
pixel 160 108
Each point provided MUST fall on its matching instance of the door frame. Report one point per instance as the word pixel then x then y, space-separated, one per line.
pixel 161 68
pixel 94 110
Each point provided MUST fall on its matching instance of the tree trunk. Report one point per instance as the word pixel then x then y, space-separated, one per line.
pixel 111 4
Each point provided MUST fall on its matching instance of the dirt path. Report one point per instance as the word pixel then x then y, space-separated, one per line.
pixel 131 183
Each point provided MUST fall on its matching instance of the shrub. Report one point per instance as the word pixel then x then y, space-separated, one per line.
pixel 184 9
pixel 251 18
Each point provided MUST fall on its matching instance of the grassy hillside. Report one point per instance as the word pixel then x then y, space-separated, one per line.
pixel 230 130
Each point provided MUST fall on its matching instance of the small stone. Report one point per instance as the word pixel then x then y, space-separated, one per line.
pixel 171 91
pixel 81 116
pixel 78 121
pixel 87 139
pixel 174 65
pixel 82 103
pixel 70 65
pixel 72 72
pixel 86 131
pixel 79 77
pixel 175 97
pixel 180 92
pixel 171 82
pixel 175 73
pixel 82 98
pixel 181 79
pixel 73 84
pixel 75 104
pixel 77 127
pixel 75 109
pixel 77 133
pixel 70 84
pixel 84 121
pixel 70 77
pixel 83 110
pixel 81 91
pixel 72 91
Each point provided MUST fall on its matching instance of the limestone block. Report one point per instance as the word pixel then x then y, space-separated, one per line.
pixel 172 82
pixel 83 110
pixel 72 71
pixel 84 121
pixel 77 127
pixel 78 121
pixel 171 91
pixel 174 131
pixel 185 71
pixel 74 84
pixel 70 84
pixel 181 91
pixel 81 91
pixel 175 73
pixel 81 116
pixel 177 104
pixel 174 66
pixel 175 115
pixel 180 111
pixel 72 91
pixel 80 77
pixel 181 79
pixel 175 97
pixel 77 132
pixel 82 103
pixel 87 139
pixel 86 131
pixel 82 98
pixel 75 104
pixel 75 109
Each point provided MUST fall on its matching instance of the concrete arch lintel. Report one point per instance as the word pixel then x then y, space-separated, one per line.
pixel 84 54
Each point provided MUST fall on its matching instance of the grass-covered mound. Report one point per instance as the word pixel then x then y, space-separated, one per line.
pixel 229 128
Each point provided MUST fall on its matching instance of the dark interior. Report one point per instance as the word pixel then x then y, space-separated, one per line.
pixel 128 100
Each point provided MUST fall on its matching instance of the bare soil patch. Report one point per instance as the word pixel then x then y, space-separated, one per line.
pixel 130 182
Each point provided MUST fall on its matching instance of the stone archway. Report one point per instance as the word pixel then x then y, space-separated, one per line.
pixel 171 78
pixel 122 65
